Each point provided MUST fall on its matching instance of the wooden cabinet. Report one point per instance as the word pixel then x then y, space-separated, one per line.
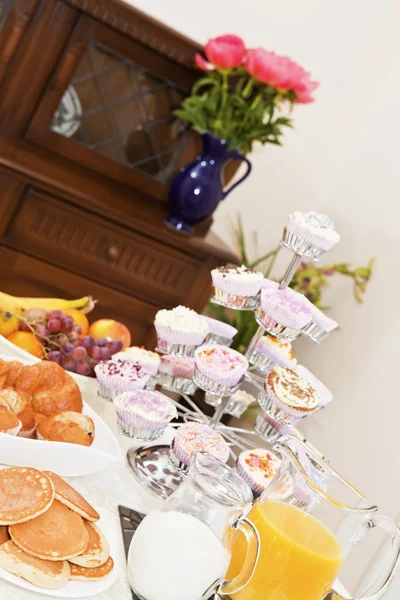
pixel 88 147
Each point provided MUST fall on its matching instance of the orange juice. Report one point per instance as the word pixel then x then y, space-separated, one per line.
pixel 299 557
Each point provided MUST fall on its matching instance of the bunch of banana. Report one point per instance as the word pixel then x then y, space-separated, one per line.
pixel 13 304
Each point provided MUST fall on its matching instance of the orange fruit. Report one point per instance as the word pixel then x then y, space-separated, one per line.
pixel 28 342
pixel 111 329
pixel 79 319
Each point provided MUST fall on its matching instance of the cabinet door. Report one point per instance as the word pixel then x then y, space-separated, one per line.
pixel 109 108
pixel 21 275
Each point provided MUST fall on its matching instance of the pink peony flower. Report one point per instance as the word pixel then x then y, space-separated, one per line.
pixel 223 52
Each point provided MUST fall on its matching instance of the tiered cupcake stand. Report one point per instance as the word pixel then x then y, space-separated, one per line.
pixel 152 465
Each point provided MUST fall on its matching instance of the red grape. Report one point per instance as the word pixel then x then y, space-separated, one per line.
pixel 83 367
pixel 54 356
pixel 115 346
pixel 42 331
pixel 79 353
pixel 95 352
pixel 78 329
pixel 54 314
pixel 101 342
pixel 67 324
pixel 105 353
pixel 68 363
pixel 24 326
pixel 54 325
pixel 67 348
pixel 87 341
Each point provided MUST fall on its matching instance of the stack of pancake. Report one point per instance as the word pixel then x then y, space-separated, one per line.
pixel 48 534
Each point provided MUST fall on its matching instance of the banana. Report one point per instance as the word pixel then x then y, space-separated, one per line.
pixel 17 305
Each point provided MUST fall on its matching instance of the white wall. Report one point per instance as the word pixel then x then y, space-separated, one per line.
pixel 343 159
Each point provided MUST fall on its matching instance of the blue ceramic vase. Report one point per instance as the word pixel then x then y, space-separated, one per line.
pixel 197 189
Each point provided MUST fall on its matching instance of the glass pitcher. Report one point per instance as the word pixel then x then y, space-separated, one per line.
pixel 183 550
pixel 308 519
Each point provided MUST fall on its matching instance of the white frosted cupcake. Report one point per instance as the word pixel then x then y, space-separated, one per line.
pixel 150 361
pixel 258 468
pixel 320 327
pixel 310 234
pixel 236 287
pixel 219 332
pixel 267 351
pixel 283 313
pixel 325 395
pixel 180 330
pixel 116 376
pixel 288 396
pixel 196 437
pixel 218 369
pixel 144 414
pixel 176 372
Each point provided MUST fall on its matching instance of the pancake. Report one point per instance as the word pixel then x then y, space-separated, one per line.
pixel 51 575
pixel 84 574
pixel 58 534
pixel 25 493
pixel 4 535
pixel 70 497
pixel 97 551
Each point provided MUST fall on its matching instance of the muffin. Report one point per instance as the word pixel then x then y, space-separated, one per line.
pixel 150 361
pixel 238 403
pixel 219 369
pixel 9 422
pixel 69 426
pixel 267 351
pixel 288 396
pixel 144 414
pixel 320 327
pixel 236 287
pixel 22 408
pixel 325 395
pixel 258 467
pixel 219 332
pixel 310 234
pixel 116 376
pixel 283 313
pixel 176 372
pixel 196 437
pixel 180 330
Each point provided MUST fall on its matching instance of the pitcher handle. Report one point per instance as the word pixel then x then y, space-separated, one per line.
pixel 253 552
pixel 233 154
pixel 394 533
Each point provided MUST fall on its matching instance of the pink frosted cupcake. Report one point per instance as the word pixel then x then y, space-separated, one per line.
pixel 288 396
pixel 320 327
pixel 310 234
pixel 180 331
pixel 283 313
pixel 218 369
pixel 258 468
pixel 116 376
pixel 236 287
pixel 150 361
pixel 196 437
pixel 268 351
pixel 219 332
pixel 176 373
pixel 144 414
pixel 325 395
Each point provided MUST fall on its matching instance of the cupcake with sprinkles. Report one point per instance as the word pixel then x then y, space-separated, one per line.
pixel 117 375
pixel 219 369
pixel 283 313
pixel 144 414
pixel 310 234
pixel 196 437
pixel 258 468
pixel 236 287
pixel 150 361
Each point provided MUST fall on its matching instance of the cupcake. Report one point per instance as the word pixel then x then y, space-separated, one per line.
pixel 269 284
pixel 238 403
pixel 180 330
pixel 9 422
pixel 258 467
pixel 283 313
pixel 236 287
pixel 150 361
pixel 288 396
pixel 144 414
pixel 320 327
pixel 219 332
pixel 268 351
pixel 176 373
pixel 218 369
pixel 325 395
pixel 310 234
pixel 196 437
pixel 116 376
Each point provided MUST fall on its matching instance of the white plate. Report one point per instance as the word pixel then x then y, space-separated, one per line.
pixel 79 589
pixel 68 460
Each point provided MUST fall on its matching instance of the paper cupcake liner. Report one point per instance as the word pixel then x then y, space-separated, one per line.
pixel 180 458
pixel 129 418
pixel 315 333
pixel 300 245
pixel 274 328
pixel 208 384
pixel 174 383
pixel 270 404
pixel 235 300
pixel 213 338
pixel 139 433
pixel 14 430
pixel 255 487
pixel 185 338
pixel 26 434
pixel 237 287
pixel 109 394
pixel 175 349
